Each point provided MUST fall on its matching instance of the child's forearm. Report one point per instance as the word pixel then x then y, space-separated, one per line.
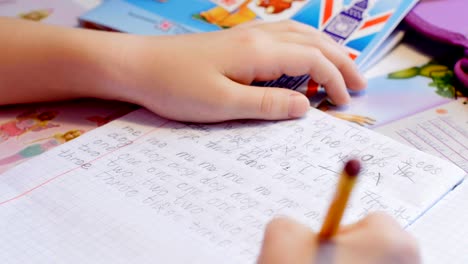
pixel 42 63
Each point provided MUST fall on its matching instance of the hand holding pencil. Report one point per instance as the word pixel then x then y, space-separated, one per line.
pixel 377 238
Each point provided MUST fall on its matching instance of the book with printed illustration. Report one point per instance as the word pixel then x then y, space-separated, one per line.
pixel 360 25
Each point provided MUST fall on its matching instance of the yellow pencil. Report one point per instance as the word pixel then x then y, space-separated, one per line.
pixel 338 205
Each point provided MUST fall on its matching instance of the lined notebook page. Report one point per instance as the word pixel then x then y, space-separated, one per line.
pixel 442 232
pixel 143 189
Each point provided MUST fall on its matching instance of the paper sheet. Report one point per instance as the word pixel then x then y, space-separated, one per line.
pixel 441 131
pixel 442 232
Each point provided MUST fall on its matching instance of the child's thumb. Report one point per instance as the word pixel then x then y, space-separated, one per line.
pixel 252 102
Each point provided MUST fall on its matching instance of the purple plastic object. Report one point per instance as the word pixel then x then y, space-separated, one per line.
pixel 461 70
pixel 445 21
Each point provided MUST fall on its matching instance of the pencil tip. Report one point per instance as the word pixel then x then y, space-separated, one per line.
pixel 352 168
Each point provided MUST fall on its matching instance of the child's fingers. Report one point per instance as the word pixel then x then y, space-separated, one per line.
pixel 287 241
pixel 345 65
pixel 250 102
pixel 295 60
pixel 292 26
pixel 296 32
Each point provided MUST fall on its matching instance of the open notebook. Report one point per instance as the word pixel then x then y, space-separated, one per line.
pixel 143 189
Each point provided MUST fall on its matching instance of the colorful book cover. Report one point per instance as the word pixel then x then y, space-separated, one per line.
pixel 360 25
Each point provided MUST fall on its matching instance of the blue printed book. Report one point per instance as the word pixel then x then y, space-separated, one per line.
pixel 360 25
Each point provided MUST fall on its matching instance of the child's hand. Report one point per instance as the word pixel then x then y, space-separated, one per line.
pixel 206 77
pixel 375 239
pixel 196 77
